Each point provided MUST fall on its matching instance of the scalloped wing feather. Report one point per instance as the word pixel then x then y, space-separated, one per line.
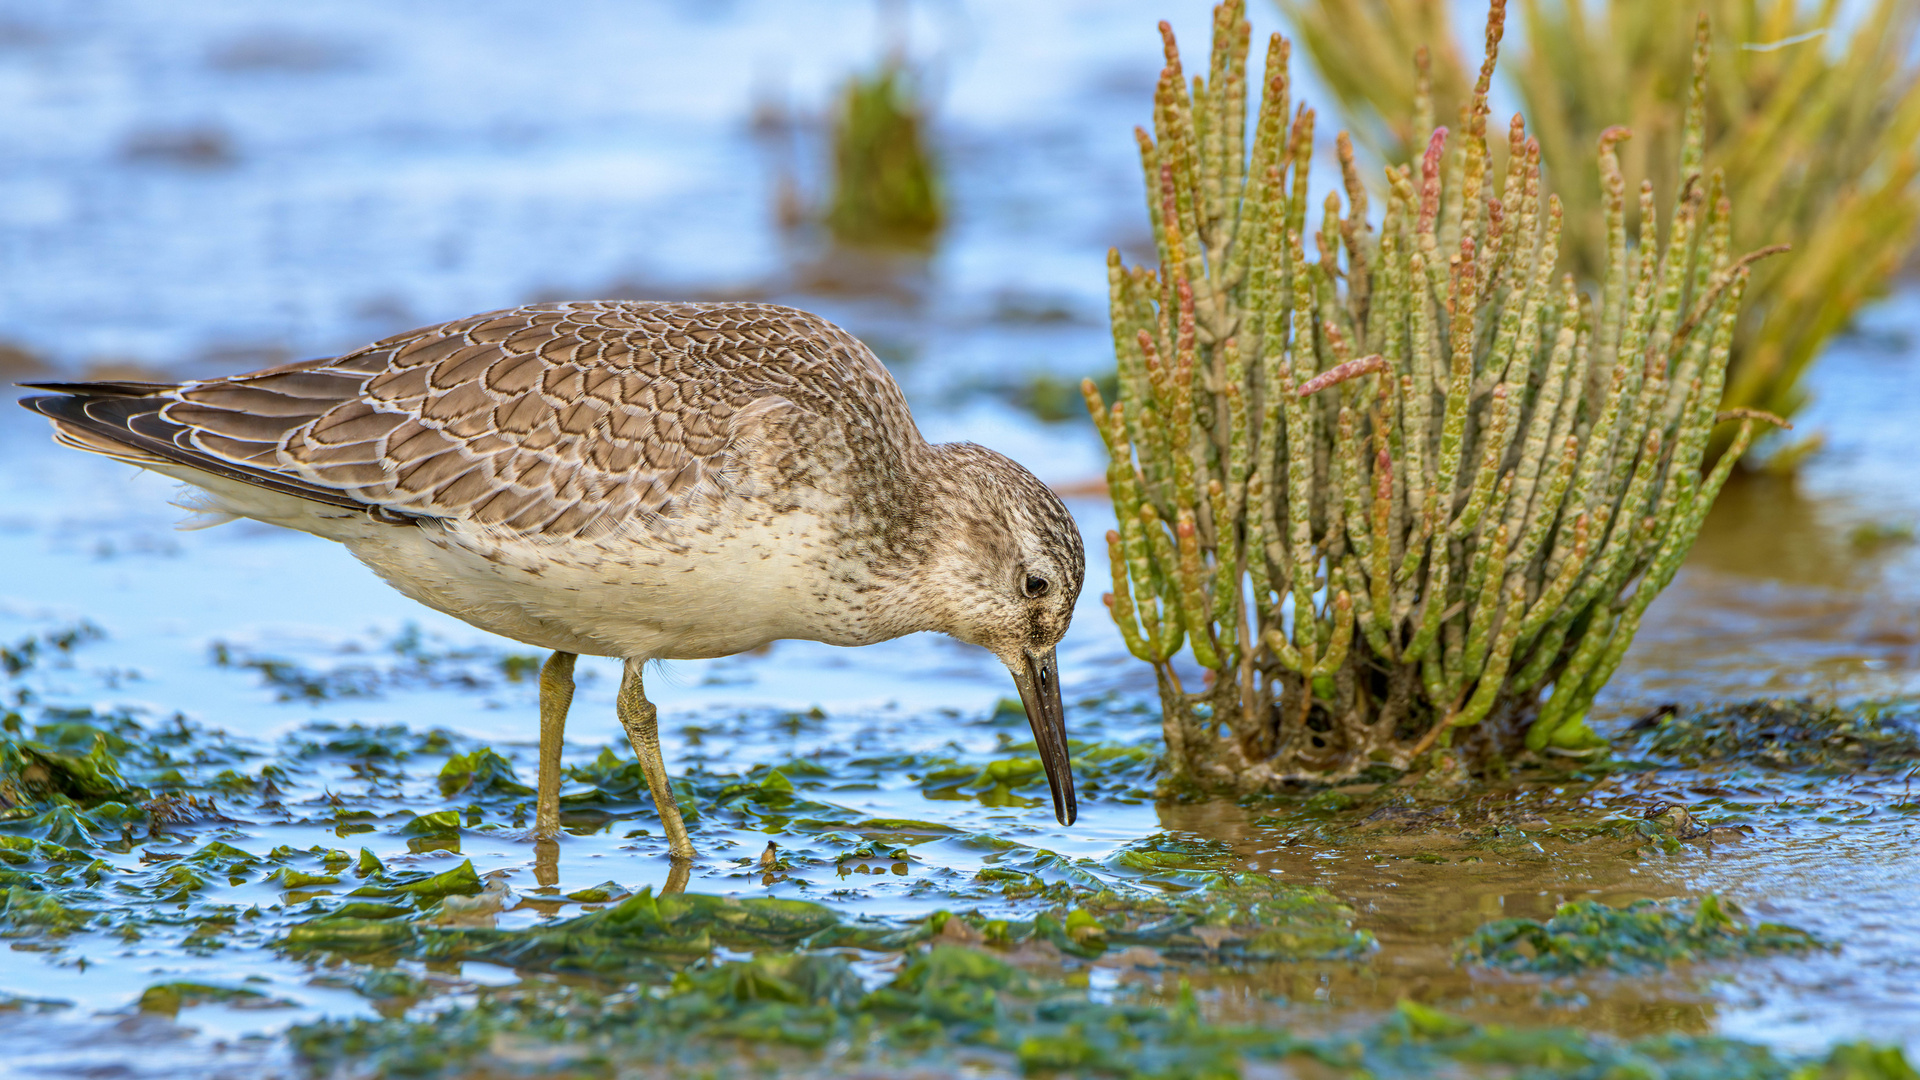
pixel 555 420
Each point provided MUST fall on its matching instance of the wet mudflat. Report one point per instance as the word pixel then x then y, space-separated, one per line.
pixel 1718 898
pixel 265 817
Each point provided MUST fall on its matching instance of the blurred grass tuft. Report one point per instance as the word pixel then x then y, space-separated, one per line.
pixel 886 189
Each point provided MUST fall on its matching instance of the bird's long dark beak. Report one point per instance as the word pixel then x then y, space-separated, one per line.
pixel 1039 681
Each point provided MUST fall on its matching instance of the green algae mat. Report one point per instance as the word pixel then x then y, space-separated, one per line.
pixel 361 896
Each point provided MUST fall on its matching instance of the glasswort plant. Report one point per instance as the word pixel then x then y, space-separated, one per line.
pixel 1417 485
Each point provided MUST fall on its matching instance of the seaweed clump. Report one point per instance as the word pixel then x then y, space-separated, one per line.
pixel 412 659
pixel 76 773
pixel 785 1009
pixel 1786 733
pixel 1221 917
pixel 1388 496
pixel 951 1008
pixel 1644 936
pixel 641 936
pixel 650 987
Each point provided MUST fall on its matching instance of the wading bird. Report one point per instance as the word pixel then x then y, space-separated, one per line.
pixel 634 480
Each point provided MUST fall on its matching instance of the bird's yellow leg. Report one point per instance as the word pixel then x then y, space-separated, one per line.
pixel 556 696
pixel 641 720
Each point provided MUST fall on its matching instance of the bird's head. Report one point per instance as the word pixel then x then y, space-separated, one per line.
pixel 1006 563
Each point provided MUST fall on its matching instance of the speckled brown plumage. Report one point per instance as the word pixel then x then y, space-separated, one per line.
pixel 562 420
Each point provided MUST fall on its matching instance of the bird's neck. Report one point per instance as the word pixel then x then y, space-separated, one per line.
pixel 914 555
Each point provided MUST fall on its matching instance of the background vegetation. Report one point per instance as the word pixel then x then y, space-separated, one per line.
pixel 1812 110
pixel 885 184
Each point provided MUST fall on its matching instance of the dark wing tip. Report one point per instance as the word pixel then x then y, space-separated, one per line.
pixel 42 405
pixel 66 408
pixel 122 415
pixel 112 388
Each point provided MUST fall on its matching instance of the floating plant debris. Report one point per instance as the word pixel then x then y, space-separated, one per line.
pixel 410 660
pixel 1641 936
pixel 170 997
pixel 948 1003
pixel 1785 733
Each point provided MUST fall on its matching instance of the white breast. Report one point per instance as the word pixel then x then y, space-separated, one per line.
pixel 614 597
pixel 728 581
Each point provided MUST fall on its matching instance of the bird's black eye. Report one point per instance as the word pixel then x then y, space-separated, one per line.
pixel 1036 586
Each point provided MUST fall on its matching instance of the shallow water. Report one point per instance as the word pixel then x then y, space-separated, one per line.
pixel 221 186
